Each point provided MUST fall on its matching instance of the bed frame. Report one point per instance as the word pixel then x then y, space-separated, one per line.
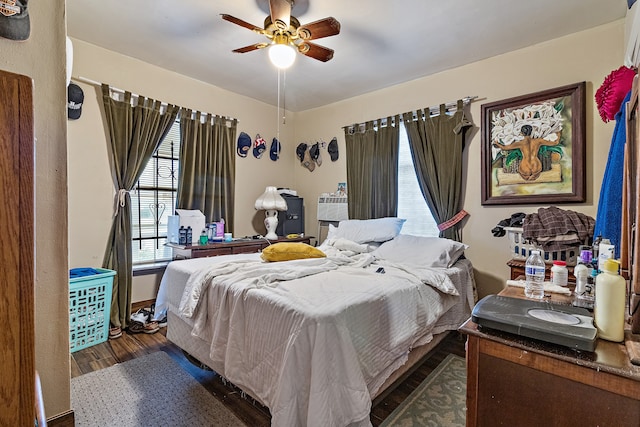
pixel 179 332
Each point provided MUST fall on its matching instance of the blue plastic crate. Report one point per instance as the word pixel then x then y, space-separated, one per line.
pixel 89 309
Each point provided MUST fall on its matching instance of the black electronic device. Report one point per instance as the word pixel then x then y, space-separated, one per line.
pixel 555 323
pixel 291 221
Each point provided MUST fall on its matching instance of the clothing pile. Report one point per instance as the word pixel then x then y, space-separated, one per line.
pixel 555 229
pixel 514 221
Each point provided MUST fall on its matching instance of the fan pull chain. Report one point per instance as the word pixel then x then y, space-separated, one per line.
pixel 278 110
pixel 284 97
pixel 284 109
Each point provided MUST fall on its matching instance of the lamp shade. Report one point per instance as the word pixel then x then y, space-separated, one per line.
pixel 271 200
pixel 282 55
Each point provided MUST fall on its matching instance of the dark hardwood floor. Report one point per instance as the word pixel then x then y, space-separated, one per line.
pixel 130 346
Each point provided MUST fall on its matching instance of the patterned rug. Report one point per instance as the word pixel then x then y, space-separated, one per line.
pixel 439 401
pixel 152 390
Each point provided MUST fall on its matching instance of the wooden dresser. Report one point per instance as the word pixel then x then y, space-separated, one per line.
pixel 516 381
pixel 517 270
pixel 242 246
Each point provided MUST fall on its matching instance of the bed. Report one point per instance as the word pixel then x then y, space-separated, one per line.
pixel 317 339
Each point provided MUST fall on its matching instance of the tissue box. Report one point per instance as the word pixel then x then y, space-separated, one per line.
pixel 185 218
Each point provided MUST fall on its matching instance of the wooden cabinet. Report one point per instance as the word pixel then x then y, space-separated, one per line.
pixel 515 381
pixel 236 247
pixel 17 296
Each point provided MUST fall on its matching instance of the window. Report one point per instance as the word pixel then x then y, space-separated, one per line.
pixel 411 204
pixel 154 199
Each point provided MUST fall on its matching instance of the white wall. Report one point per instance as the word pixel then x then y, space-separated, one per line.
pixel 587 56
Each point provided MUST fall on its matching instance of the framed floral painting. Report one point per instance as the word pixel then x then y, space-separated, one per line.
pixel 533 148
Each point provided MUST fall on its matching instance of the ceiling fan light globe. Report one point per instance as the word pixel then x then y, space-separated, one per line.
pixel 282 55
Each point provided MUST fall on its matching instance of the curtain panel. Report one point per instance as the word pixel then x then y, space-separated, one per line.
pixel 136 126
pixel 437 143
pixel 207 166
pixel 372 169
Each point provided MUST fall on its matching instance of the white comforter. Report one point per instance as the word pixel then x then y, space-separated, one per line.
pixel 313 339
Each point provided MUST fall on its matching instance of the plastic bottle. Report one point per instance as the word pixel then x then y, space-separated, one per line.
pixel 595 250
pixel 590 292
pixel 212 232
pixel 189 236
pixel 559 273
pixel 534 272
pixel 610 302
pixel 204 239
pixel 582 271
pixel 182 236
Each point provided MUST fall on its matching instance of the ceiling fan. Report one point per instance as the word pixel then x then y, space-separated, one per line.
pixel 288 36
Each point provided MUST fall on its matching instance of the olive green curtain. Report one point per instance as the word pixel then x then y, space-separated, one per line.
pixel 207 166
pixel 436 147
pixel 135 128
pixel 372 169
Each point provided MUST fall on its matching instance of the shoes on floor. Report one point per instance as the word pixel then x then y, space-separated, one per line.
pixel 152 316
pixel 141 322
pixel 162 322
pixel 147 328
pixel 141 316
pixel 115 332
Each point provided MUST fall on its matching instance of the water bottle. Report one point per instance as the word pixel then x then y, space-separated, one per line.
pixel 534 273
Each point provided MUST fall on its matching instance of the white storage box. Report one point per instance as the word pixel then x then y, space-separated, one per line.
pixel 521 249
pixel 185 218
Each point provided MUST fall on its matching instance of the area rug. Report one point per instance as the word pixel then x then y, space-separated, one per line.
pixel 151 390
pixel 440 400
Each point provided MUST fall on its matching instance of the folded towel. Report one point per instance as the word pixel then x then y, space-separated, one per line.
pixel 548 287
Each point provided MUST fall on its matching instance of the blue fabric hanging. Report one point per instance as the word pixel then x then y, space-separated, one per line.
pixel 609 216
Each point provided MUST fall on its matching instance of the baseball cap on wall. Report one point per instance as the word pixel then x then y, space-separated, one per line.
pixel 75 98
pixel 244 143
pixel 14 20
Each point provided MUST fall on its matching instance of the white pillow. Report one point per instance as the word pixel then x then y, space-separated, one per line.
pixel 367 230
pixel 421 251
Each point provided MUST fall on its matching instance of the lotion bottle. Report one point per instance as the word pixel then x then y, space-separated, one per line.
pixel 610 302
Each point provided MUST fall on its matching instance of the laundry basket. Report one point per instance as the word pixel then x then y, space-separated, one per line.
pixel 521 249
pixel 89 308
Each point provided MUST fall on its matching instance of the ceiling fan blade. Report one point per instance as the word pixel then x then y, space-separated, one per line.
pixel 315 51
pixel 280 13
pixel 250 48
pixel 316 30
pixel 242 23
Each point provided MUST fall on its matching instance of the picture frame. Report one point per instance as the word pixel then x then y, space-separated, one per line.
pixel 533 148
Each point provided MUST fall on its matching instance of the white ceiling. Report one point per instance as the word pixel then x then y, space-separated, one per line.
pixel 381 43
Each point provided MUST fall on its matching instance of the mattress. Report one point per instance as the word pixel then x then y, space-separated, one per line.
pixel 316 347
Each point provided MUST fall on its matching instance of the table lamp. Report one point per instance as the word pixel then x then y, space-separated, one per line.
pixel 271 202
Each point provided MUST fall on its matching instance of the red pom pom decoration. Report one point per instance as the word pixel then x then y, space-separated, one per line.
pixel 610 95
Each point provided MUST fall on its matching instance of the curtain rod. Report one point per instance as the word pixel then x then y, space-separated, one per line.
pixel 164 104
pixel 433 110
